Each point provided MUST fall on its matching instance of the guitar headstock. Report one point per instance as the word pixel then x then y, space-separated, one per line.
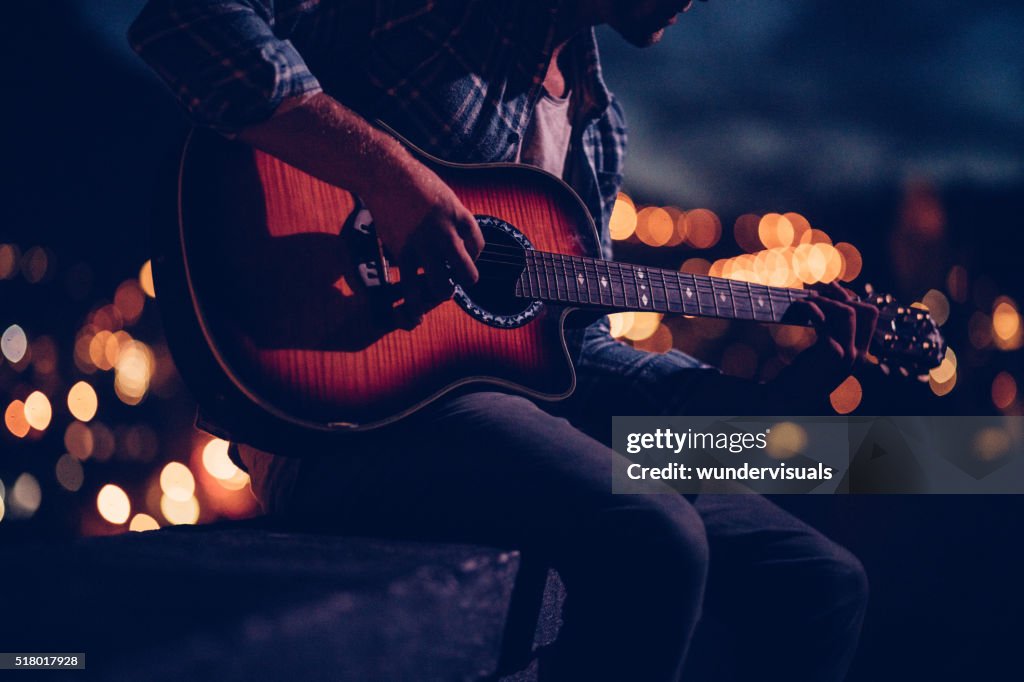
pixel 906 339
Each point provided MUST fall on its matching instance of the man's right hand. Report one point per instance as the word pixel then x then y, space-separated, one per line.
pixel 423 224
pixel 417 216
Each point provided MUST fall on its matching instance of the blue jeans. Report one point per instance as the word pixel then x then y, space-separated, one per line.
pixel 643 573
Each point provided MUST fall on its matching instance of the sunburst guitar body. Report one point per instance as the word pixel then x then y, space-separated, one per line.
pixel 281 308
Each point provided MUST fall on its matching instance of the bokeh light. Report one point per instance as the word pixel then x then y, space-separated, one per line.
pixel 14 418
pixel 25 497
pixel 143 522
pixel 1004 390
pixel 78 440
pixel 113 504
pixel 655 226
pixel 703 228
pixel 847 396
pixel 146 279
pixel 38 411
pixel 775 230
pixel 132 372
pixel 853 262
pixel 745 232
pixel 643 326
pixel 69 472
pixel 130 300
pixel 9 257
pixel 216 460
pixel 177 481
pixel 991 443
pixel 1006 324
pixel 660 341
pixel 785 440
pixel 956 283
pixel 14 343
pixel 35 265
pixel 620 324
pixel 938 306
pixel 82 401
pixel 180 512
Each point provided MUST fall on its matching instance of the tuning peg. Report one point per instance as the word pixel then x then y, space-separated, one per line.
pixel 904 372
pixel 923 378
pixel 869 289
pixel 885 368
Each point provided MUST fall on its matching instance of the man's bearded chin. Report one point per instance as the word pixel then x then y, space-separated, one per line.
pixel 645 39
pixel 638 34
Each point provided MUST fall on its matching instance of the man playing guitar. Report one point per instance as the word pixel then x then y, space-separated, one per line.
pixel 476 82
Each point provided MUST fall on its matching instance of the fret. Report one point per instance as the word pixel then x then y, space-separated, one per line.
pixel 643 287
pixel 552 265
pixel 552 276
pixel 630 294
pixel 705 296
pixel 779 302
pixel 577 281
pixel 542 289
pixel 607 293
pixel 761 303
pixel 531 275
pixel 523 286
pixel 570 279
pixel 656 280
pixel 586 281
pixel 673 294
pixel 741 300
pixel 688 293
pixel 615 286
pixel 570 283
pixel 537 273
pixel 723 297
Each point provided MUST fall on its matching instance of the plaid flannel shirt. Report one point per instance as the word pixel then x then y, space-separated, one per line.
pixel 457 78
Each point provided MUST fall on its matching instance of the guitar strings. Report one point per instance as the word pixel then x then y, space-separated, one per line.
pixel 561 265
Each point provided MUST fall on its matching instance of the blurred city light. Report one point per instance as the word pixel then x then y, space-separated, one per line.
pixel 143 522
pixel 177 482
pixel 113 504
pixel 82 401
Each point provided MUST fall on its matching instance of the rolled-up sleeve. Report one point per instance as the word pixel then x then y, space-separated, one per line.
pixel 222 59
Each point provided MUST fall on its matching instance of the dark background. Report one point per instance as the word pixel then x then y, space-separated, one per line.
pixel 856 115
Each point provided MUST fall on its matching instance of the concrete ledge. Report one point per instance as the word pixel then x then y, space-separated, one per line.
pixel 253 601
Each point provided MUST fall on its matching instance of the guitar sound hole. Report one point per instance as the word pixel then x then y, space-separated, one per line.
pixel 492 300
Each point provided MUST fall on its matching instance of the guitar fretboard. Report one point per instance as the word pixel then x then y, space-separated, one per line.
pixel 595 283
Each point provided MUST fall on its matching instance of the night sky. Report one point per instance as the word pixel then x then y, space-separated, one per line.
pixel 763 105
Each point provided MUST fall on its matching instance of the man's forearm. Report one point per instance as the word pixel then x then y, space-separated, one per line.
pixel 326 139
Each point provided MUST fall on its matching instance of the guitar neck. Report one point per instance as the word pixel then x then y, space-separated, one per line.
pixel 607 285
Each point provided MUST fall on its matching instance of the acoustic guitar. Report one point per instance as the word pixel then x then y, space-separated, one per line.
pixel 281 307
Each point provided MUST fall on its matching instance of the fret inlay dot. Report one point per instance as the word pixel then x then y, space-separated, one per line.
pixel 604 281
pixel 579 278
pixel 643 299
pixel 760 302
pixel 722 297
pixel 689 292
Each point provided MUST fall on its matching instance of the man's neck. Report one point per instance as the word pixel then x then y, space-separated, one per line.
pixel 577 15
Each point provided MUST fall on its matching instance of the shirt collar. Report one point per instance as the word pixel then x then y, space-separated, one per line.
pixel 587 77
pixel 594 95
